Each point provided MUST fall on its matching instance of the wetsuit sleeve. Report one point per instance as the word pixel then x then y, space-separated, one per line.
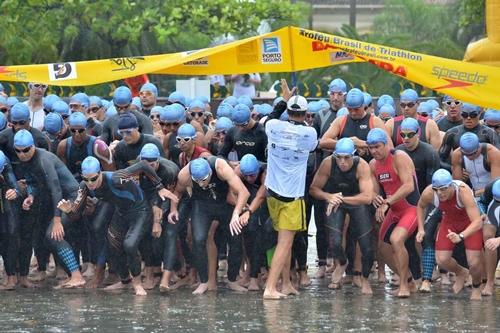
pixel 42 141
pixel 139 168
pixel 106 135
pixel 277 111
pixel 446 148
pixel 10 178
pixel 81 198
pixel 433 164
pixel 228 144
pixel 147 126
pixel 317 125
pixel 120 160
pixel 53 183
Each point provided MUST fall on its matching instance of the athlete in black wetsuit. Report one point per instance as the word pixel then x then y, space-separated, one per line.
pixel 122 98
pixel 131 218
pixel 9 221
pixel 126 152
pixel 246 137
pixel 344 182
pixel 48 181
pixel 211 180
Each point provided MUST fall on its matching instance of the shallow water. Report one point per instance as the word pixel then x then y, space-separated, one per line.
pixel 316 309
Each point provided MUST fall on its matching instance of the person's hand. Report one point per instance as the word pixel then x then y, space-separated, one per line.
pixel 173 217
pixel 453 237
pixel 492 244
pixel 334 201
pixel 157 214
pixel 235 225
pixel 64 205
pixel 11 194
pixel 244 218
pixel 156 232
pixel 465 175
pixel 28 202
pixel 420 236
pixel 381 211
pixel 286 93
pixel 378 201
pixel 113 145
pixel 57 232
pixel 166 194
pixel 234 164
pixel 360 144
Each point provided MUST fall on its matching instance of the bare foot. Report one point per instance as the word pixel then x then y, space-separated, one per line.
pixel 425 287
pixel 445 279
pixel 476 294
pixel 97 279
pixel 25 283
pixel 321 273
pixel 185 281
pixel 413 285
pixel 38 276
pixel 304 280
pixel 244 281
pixel 212 285
pixel 61 274
pixel 356 281
pixel 289 290
pixel 460 280
pixel 202 288
pixel 149 281
pixel 404 291
pixel 117 286
pixel 366 288
pixel 253 285
pixel 10 285
pixel 273 295
pixel 89 271
pixel 223 265
pixel 74 283
pixel 488 289
pixel 112 278
pixel 382 278
pixel 137 285
pixel 338 273
pixel 235 286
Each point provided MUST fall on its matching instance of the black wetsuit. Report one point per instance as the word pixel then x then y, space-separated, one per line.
pixel 174 149
pixel 126 154
pixel 248 141
pixel 131 218
pixel 444 124
pixel 491 206
pixel 110 126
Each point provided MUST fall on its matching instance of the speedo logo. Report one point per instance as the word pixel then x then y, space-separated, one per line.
pixel 456 78
pixel 245 143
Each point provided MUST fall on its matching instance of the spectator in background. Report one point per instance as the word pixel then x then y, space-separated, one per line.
pixel 35 104
pixel 244 84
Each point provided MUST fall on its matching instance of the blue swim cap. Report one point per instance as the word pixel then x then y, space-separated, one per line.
pixel 177 97
pixel 492 115
pixel 3 121
pixel 186 131
pixel 284 116
pixel 324 105
pixel 223 124
pixel 196 105
pixel 469 142
pixel 496 190
pixel 241 114
pixel 77 119
pixel 385 99
pixel 110 111
pixel 199 169
pixel 49 100
pixel 409 124
pixel 172 113
pixel 231 100
pixel 354 98
pixel 313 107
pixel 150 151
pixel 23 138
pixel 368 99
pixel 80 98
pixel 95 100
pixel 3 160
pixel 137 102
pixel 409 95
pixel 337 85
pixel 441 178
pixel 265 109
pixel 375 136
pixel 122 96
pixel 11 101
pixel 150 87
pixel 224 110
pixel 127 120
pixel 60 107
pixel 249 165
pixel 433 104
pixel 345 146
pixel 53 123
pixel 105 103
pixel 277 100
pixel 343 111
pixel 246 100
pixel 425 107
pixel 204 99
pixel 388 109
pixel 90 165
pixel 156 109
pixel 3 101
pixel 469 108
pixel 19 111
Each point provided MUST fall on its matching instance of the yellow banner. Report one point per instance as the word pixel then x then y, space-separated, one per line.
pixel 286 50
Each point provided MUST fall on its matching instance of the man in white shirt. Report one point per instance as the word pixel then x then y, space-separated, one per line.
pixel 35 104
pixel 289 144
pixel 244 84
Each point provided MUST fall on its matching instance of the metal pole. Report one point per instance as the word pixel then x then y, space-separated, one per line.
pixel 352 13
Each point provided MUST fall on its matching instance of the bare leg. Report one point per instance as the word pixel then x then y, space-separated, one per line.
pixel 281 262
pixel 445 260
pixel 287 287
pixel 138 288
pixel 398 238
pixel 149 279
pixel 98 278
pixel 475 269
pixel 490 261
pixel 212 257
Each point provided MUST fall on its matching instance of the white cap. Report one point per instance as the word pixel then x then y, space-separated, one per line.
pixel 297 103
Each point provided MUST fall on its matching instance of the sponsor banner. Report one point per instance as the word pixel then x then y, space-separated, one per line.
pixel 286 50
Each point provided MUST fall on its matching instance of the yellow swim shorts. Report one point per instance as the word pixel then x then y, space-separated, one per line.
pixel 287 215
